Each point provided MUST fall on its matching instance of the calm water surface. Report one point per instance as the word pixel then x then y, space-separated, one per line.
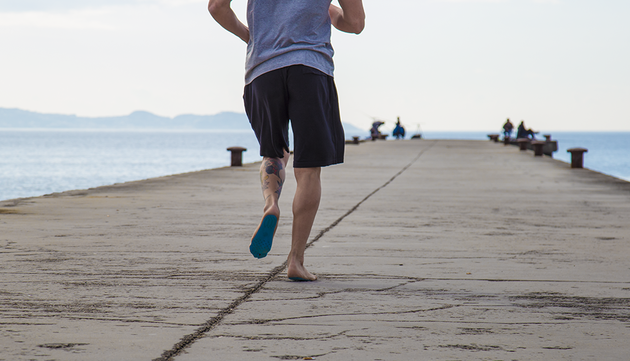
pixel 37 162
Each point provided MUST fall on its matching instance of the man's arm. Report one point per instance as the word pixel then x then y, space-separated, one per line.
pixel 224 15
pixel 350 17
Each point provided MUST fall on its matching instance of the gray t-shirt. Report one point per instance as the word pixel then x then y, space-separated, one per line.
pixel 288 32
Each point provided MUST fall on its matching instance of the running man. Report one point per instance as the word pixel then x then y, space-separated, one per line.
pixel 289 76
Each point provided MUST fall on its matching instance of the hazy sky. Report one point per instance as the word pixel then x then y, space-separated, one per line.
pixel 443 64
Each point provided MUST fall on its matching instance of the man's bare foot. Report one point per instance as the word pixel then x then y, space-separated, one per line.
pixel 262 239
pixel 297 272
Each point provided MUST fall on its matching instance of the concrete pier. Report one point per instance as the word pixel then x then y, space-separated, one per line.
pixel 425 250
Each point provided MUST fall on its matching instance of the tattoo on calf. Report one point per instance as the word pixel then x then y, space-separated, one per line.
pixel 272 167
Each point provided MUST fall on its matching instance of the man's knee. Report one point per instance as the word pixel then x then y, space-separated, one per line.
pixel 312 173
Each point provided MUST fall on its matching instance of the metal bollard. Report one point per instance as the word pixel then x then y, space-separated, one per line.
pixel 237 156
pixel 538 148
pixel 355 140
pixel 550 146
pixel 494 137
pixel 577 157
pixel 523 143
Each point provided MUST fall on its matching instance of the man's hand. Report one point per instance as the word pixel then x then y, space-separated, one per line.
pixel 350 17
pixel 224 15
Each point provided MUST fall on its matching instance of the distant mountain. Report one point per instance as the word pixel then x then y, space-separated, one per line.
pixel 352 131
pixel 17 118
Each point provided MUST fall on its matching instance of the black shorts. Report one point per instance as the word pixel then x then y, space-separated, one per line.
pixel 306 97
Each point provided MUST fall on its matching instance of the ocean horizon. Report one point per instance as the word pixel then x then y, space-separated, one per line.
pixel 37 162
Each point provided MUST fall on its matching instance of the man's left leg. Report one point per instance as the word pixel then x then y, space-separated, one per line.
pixel 318 142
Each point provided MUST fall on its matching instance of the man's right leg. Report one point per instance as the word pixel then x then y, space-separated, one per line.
pixel 272 176
pixel 305 205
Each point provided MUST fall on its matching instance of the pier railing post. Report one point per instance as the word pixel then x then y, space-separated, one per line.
pixel 538 148
pixel 237 156
pixel 577 157
pixel 522 143
pixel 550 145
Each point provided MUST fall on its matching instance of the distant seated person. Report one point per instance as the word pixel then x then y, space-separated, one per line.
pixel 399 131
pixel 525 133
pixel 374 132
pixel 507 129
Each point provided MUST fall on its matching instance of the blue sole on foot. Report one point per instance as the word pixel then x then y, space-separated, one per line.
pixel 263 238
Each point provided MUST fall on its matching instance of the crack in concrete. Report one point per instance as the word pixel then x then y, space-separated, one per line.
pixel 63 346
pixel 213 322
pixel 318 296
pixel 296 357
pixel 394 287
pixel 475 347
pixel 259 321
pixel 370 276
pixel 607 308
pixel 83 318
pixel 282 338
pixel 475 330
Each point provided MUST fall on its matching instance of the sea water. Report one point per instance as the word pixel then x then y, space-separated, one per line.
pixel 38 162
